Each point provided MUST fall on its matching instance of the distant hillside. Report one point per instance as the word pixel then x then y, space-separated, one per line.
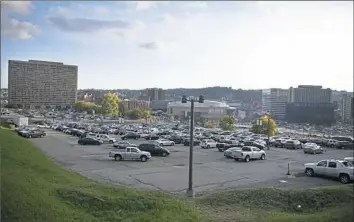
pixel 210 93
pixel 217 93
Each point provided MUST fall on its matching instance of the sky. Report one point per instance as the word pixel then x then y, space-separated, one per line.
pixel 136 45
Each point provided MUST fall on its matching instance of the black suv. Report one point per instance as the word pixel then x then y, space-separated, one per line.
pixel 155 150
pixel 251 143
pixel 195 142
pixel 176 139
pixel 344 145
pixel 130 136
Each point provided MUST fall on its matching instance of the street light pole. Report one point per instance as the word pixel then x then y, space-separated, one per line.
pixel 268 132
pixel 190 191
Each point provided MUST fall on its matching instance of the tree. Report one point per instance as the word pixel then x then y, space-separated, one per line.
pixel 202 121
pixel 227 122
pixel 109 103
pixel 82 106
pixel 134 114
pixel 263 128
pixel 210 125
pixel 121 108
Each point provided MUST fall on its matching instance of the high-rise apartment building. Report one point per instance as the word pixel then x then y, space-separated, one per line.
pixel 310 94
pixel 154 94
pixel 347 107
pixel 274 102
pixel 42 84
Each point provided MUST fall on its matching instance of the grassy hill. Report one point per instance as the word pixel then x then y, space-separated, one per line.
pixel 33 188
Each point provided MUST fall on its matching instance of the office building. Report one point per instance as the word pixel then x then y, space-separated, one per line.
pixel 310 94
pixel 274 102
pixel 347 107
pixel 134 104
pixel 310 104
pixel 154 94
pixel 40 84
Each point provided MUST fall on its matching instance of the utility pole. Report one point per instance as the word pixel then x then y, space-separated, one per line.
pixel 190 191
pixel 268 131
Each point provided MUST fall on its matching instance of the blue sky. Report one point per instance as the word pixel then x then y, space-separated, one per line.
pixel 250 45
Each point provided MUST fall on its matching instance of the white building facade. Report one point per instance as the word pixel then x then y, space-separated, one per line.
pixel 212 110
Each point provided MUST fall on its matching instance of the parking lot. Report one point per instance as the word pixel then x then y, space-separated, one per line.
pixel 211 169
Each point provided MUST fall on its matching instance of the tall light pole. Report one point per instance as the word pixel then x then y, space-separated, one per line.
pixel 268 132
pixel 190 191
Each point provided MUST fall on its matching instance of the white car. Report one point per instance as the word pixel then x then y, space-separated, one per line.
pixel 104 137
pixel 208 143
pixel 312 148
pixel 165 142
pixel 340 169
pixel 248 153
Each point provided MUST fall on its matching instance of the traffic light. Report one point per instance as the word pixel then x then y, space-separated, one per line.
pixel 184 99
pixel 201 99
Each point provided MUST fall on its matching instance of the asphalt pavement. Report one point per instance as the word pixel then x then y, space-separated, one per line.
pixel 211 169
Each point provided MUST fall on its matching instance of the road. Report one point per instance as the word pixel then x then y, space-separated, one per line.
pixel 211 169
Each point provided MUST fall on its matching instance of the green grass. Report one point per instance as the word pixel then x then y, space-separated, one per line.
pixel 33 188
pixel 280 205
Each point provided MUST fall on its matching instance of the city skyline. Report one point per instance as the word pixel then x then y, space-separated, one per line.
pixel 138 45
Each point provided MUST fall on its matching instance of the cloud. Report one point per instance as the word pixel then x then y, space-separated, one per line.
pixel 19 7
pixel 144 5
pixel 149 45
pixel 14 28
pixel 87 25
pixel 196 5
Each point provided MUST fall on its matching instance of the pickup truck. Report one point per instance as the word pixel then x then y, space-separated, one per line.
pixel 248 153
pixel 339 169
pixel 130 153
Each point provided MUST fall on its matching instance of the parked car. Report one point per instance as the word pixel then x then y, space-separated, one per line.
pixel 153 149
pixel 196 142
pixel 176 139
pixel 312 148
pixel 33 134
pixel 224 146
pixel 130 153
pixel 152 137
pixel 293 144
pixel 123 144
pixel 255 144
pixel 208 143
pixel 331 168
pixel 130 136
pixel 248 153
pixel 165 142
pixel 345 145
pixel 89 141
pixel 104 137
pixel 229 153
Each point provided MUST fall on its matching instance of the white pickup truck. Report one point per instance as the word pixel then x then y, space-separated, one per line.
pixel 130 153
pixel 248 153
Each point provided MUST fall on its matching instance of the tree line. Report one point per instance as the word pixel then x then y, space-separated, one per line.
pixel 109 105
